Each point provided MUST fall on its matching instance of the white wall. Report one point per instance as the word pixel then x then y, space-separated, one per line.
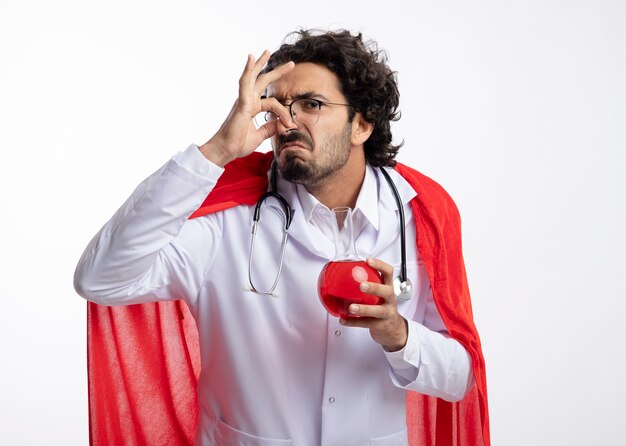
pixel 517 107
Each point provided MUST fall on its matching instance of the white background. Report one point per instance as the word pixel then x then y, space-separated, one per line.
pixel 517 107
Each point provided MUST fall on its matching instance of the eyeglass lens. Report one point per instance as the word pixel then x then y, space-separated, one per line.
pixel 303 111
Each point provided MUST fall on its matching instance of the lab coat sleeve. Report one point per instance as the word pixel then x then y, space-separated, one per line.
pixel 432 362
pixel 140 253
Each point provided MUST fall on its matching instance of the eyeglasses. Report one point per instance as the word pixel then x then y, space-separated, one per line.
pixel 304 111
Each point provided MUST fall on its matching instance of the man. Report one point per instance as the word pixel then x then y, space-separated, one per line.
pixel 276 368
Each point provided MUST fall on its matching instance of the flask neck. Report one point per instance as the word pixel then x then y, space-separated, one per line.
pixel 343 231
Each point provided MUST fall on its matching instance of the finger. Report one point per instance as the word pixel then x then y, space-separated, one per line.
pixel 245 81
pixel 249 65
pixel 272 104
pixel 247 70
pixel 383 290
pixel 268 129
pixel 363 322
pixel 251 70
pixel 265 79
pixel 260 63
pixel 385 269
pixel 357 322
pixel 370 311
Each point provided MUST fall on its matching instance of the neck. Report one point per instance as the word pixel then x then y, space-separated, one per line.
pixel 342 187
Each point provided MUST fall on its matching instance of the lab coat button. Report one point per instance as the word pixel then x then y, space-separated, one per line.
pixel 337 332
pixel 331 399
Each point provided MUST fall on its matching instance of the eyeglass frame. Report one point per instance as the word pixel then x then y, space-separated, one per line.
pixel 320 104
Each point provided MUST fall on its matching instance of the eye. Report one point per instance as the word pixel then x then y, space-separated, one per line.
pixel 310 104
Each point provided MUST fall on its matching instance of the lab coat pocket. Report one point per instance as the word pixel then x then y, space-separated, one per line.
pixel 225 435
pixel 398 439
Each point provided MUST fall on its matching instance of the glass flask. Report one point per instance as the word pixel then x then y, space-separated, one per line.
pixel 339 280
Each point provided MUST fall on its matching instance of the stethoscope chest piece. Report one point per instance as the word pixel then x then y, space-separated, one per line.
pixel 402 289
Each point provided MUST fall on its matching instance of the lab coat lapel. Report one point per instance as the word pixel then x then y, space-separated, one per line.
pixel 385 209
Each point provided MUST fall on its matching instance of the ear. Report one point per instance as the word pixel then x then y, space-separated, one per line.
pixel 361 130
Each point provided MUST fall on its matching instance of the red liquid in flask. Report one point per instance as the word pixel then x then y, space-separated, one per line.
pixel 338 286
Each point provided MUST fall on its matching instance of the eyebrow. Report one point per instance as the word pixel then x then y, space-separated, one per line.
pixel 305 95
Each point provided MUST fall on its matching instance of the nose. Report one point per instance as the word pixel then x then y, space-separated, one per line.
pixel 282 128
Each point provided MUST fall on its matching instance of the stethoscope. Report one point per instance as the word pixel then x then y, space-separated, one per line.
pixel 402 286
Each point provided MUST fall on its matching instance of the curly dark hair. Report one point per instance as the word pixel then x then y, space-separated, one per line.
pixel 366 81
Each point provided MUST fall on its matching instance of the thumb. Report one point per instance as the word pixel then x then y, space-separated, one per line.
pixel 268 129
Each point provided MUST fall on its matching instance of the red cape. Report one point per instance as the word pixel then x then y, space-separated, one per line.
pixel 143 360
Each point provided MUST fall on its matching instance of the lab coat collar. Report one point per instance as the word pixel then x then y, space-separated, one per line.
pixel 385 194
pixel 364 204
pixel 373 191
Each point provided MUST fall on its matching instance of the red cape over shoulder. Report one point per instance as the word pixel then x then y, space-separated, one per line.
pixel 143 360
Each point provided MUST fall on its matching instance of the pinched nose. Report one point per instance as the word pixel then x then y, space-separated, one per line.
pixel 282 128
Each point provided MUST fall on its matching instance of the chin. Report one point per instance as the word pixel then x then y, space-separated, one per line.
pixel 294 169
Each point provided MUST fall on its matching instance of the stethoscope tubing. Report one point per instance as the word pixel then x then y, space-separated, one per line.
pixel 403 286
pixel 396 195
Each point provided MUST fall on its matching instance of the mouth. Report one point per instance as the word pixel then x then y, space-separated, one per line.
pixel 293 146
pixel 294 141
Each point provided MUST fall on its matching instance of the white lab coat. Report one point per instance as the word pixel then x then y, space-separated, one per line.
pixel 275 370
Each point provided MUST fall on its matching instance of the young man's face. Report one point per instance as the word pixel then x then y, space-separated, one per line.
pixel 320 144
